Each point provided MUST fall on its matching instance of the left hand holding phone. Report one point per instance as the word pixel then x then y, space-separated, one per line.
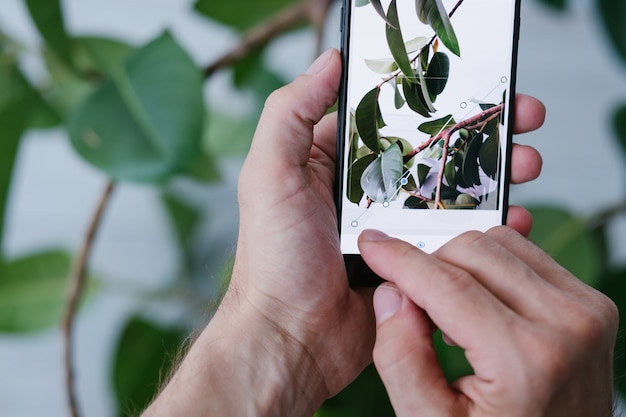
pixel 290 329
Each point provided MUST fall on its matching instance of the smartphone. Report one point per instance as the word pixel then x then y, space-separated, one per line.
pixel 425 120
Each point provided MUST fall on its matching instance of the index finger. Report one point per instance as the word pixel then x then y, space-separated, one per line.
pixel 454 300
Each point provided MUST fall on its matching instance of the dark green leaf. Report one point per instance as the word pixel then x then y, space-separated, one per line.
pixel 619 124
pixel 48 18
pixel 396 42
pixel 435 127
pixel 32 291
pixel 433 13
pixel 437 75
pixel 471 174
pixel 613 12
pixel 422 173
pixel 559 5
pixel 146 123
pixel 450 174
pixel 489 155
pixel 415 203
pixel 144 355
pixel 14 118
pixel 398 100
pixel 241 14
pixel 354 191
pixel 366 116
pixel 566 238
pixel 415 98
pixel 381 179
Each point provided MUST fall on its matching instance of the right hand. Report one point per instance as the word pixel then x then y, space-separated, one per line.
pixel 540 341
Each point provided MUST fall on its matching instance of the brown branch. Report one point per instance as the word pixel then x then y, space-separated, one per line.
pixel 261 34
pixel 444 160
pixel 77 281
pixel 473 122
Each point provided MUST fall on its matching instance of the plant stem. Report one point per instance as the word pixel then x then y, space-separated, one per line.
pixel 261 34
pixel 77 281
pixel 444 160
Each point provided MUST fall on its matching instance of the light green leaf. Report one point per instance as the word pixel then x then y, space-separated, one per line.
pixel 361 3
pixel 145 124
pixel 381 179
pixel 228 135
pixel 416 44
pixel 382 66
pixel 32 291
pixel 433 13
pixel 48 18
pixel 396 42
pixel 367 118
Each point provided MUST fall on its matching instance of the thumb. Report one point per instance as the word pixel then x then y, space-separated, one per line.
pixel 284 134
pixel 406 360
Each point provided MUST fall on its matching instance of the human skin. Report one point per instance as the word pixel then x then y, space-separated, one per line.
pixel 290 332
pixel 540 341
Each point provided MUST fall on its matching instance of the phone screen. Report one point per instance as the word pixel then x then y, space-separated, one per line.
pixel 425 118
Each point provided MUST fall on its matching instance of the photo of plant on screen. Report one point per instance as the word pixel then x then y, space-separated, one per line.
pixel 453 84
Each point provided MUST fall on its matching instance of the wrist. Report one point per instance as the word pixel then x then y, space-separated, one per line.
pixel 242 364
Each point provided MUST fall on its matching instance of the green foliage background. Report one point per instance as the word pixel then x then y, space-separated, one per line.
pixel 138 114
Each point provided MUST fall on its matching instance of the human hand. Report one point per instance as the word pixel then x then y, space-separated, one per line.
pixel 540 341
pixel 289 326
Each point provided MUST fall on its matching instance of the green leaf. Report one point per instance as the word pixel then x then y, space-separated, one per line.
pixel 396 42
pixel 204 168
pixel 48 18
pixel 422 173
pixel 489 155
pixel 619 125
pixel 228 135
pixel 241 14
pixel 613 13
pixel 382 66
pixel 415 97
pixel 361 3
pixel 379 9
pixel 354 191
pixel 566 238
pixel 559 5
pixel 32 291
pixel 435 127
pixel 183 217
pixel 433 13
pixel 144 356
pixel 145 124
pixel 437 75
pixel 367 117
pixel 398 100
pixel 471 174
pixel 102 54
pixel 450 173
pixel 381 179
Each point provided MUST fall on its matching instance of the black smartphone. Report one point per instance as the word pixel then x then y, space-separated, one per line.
pixel 425 120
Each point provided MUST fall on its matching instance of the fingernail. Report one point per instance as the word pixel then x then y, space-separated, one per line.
pixel 373 235
pixel 320 63
pixel 387 302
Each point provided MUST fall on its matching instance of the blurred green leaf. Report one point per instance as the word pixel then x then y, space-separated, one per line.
pixel 204 168
pixel 145 124
pixel 101 54
pixel 555 4
pixel 241 14
pixel 567 239
pixel 433 13
pixel 619 124
pixel 32 291
pixel 184 218
pixel 365 397
pixel 613 13
pixel 144 356
pixel 229 135
pixel 48 18
pixel 66 88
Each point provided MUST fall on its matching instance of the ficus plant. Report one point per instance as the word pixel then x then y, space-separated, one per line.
pixel 137 114
pixel 454 164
